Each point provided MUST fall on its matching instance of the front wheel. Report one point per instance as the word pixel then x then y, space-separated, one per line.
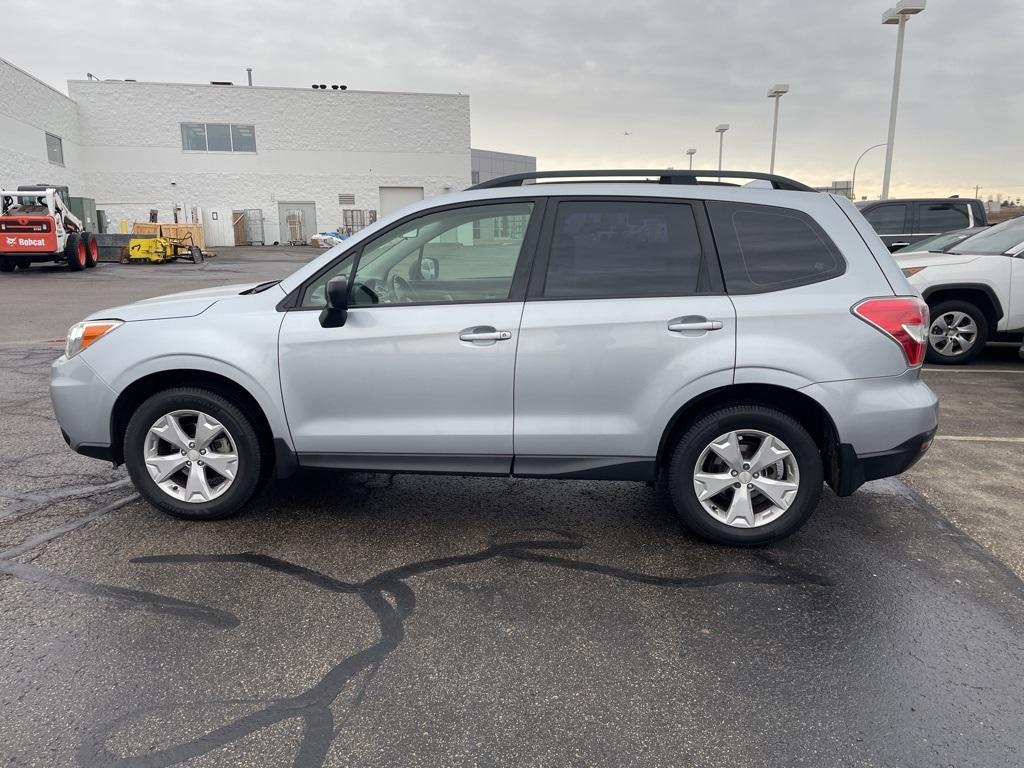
pixel 6 264
pixel 957 333
pixel 75 252
pixel 193 453
pixel 746 475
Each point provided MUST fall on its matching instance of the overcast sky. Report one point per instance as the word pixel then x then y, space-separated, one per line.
pixel 565 80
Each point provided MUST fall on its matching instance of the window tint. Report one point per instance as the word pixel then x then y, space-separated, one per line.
pixel 54 149
pixel 765 248
pixel 606 249
pixel 460 255
pixel 941 217
pixel 218 137
pixel 1007 236
pixel 888 219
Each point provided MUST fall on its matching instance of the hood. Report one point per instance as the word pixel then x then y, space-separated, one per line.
pixel 185 304
pixel 929 259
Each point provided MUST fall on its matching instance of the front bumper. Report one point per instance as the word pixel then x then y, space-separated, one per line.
pixel 856 469
pixel 82 402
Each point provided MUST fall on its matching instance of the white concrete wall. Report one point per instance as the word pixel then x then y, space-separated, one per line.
pixel 29 109
pixel 310 145
pixel 488 164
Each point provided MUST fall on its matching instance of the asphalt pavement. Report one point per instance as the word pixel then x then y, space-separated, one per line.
pixel 359 620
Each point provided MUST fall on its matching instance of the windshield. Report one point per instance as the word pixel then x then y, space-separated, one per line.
pixel 994 240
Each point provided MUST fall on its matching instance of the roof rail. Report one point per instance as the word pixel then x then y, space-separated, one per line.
pixel 663 176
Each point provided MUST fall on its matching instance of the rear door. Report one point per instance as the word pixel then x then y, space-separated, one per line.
pixel 625 321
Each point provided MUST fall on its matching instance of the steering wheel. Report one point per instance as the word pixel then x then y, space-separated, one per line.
pixel 401 291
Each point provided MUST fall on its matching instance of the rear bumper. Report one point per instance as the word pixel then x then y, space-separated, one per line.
pixel 856 469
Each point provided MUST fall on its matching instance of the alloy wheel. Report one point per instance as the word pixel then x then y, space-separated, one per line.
pixel 746 478
pixel 191 456
pixel 952 333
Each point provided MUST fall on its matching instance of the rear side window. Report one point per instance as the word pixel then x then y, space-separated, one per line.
pixel 942 217
pixel 888 219
pixel 622 249
pixel 765 248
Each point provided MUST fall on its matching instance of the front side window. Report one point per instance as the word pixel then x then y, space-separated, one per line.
pixel 613 249
pixel 54 149
pixel 890 219
pixel 767 248
pixel 460 255
pixel 218 137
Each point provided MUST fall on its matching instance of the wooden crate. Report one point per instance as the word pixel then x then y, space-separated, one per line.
pixel 176 231
pixel 145 228
pixel 179 231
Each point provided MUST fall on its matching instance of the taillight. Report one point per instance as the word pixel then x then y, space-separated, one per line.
pixel 904 319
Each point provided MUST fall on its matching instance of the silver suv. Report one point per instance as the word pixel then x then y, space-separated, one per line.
pixel 742 343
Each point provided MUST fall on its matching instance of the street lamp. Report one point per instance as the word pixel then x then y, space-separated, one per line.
pixel 853 183
pixel 898 15
pixel 691 152
pixel 720 129
pixel 775 92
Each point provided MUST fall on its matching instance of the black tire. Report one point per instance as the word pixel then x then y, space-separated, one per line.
pixel 691 445
pixel 23 262
pixel 944 309
pixel 6 264
pixel 92 250
pixel 75 253
pixel 250 471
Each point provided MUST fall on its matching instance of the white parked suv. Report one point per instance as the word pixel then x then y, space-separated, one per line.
pixel 743 344
pixel 975 291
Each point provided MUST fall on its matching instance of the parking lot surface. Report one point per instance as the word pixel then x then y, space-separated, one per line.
pixel 355 620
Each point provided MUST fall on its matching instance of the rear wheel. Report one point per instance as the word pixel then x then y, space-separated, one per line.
pixel 746 475
pixel 92 250
pixel 957 333
pixel 6 264
pixel 75 253
pixel 23 262
pixel 193 453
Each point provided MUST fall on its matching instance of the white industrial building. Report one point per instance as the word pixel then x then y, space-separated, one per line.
pixel 298 160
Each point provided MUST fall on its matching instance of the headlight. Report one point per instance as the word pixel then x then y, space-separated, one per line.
pixel 911 271
pixel 86 334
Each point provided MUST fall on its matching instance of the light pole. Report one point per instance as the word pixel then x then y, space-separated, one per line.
pixel 720 129
pixel 691 152
pixel 775 92
pixel 898 15
pixel 853 183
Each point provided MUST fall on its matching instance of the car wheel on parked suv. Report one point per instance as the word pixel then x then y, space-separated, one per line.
pixel 745 475
pixel 193 453
pixel 957 333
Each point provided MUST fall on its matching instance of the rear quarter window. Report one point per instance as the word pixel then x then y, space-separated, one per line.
pixel 766 248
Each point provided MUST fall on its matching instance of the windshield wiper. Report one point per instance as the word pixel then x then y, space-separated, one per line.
pixel 259 288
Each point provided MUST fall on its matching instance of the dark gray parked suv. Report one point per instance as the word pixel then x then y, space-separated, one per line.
pixel 902 222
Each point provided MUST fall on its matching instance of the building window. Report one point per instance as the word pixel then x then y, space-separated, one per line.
pixel 54 149
pixel 218 137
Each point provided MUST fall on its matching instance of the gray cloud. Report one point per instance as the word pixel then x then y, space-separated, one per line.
pixel 563 80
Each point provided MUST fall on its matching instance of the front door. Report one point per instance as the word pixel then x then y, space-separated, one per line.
pixel 420 376
pixel 625 323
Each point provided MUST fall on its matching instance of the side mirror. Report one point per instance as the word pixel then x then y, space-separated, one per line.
pixel 335 313
pixel 429 268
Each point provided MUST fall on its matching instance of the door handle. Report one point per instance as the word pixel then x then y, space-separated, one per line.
pixel 694 325
pixel 484 333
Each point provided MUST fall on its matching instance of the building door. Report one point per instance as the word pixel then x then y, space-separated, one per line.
pixel 394 198
pixel 238 225
pixel 298 222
